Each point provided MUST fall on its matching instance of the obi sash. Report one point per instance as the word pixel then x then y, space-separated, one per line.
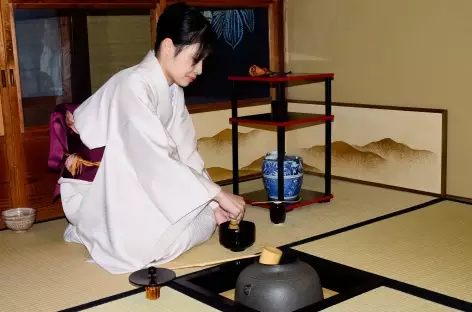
pixel 63 141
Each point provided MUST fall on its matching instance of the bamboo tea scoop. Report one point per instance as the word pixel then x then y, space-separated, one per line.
pixel 152 279
pixel 237 237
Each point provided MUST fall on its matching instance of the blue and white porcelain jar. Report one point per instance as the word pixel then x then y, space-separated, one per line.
pixel 293 176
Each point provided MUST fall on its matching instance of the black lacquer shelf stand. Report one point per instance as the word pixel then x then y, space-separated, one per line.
pixel 283 120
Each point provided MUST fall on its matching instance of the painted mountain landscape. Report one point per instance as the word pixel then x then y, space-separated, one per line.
pixel 217 150
pixel 387 146
pixel 385 152
pixel 384 161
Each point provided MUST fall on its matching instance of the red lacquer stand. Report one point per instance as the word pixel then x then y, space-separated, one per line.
pixel 283 121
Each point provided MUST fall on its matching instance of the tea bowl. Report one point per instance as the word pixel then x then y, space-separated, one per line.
pixel 19 219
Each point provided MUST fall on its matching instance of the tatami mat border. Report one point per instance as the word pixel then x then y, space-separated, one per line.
pixel 183 285
pixel 460 200
pixel 226 305
pixel 416 291
pixel 215 301
pixel 105 300
pixel 208 298
pixel 394 284
pixel 364 223
pixel 429 295
pixel 375 281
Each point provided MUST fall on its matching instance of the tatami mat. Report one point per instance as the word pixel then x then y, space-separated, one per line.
pixel 170 301
pixel 385 299
pixel 352 203
pixel 40 272
pixel 429 248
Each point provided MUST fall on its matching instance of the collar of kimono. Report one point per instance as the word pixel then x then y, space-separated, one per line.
pixel 159 80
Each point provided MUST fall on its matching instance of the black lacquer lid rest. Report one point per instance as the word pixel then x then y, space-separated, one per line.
pixel 152 279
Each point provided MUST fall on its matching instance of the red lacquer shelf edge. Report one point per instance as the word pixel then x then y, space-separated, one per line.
pixel 242 120
pixel 297 205
pixel 257 198
pixel 290 77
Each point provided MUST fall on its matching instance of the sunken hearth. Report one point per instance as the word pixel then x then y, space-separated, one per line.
pixel 340 282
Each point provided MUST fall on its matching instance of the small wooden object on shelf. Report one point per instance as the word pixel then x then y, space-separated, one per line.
pixel 283 120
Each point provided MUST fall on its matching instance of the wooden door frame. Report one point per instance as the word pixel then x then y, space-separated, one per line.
pixel 276 33
pixel 11 103
pixel 12 113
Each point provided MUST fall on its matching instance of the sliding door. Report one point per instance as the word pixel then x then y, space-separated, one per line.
pixel 48 57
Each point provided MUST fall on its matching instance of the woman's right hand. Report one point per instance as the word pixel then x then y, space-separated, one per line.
pixel 233 204
pixel 70 121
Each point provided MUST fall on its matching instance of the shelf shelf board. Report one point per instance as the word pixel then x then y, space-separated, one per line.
pixel 308 197
pixel 285 78
pixel 294 120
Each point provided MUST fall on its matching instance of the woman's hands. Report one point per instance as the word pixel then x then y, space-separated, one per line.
pixel 234 205
pixel 70 121
pixel 221 215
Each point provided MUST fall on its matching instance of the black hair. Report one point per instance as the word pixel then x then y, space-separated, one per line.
pixel 185 25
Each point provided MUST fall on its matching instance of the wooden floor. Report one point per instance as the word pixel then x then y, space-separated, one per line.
pixel 410 238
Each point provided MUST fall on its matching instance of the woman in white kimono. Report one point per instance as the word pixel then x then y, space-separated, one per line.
pixel 151 198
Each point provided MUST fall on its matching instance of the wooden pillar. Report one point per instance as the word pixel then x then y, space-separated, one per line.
pixel 281 34
pixel 10 105
pixel 273 35
pixel 155 13
pixel 81 82
pixel 276 37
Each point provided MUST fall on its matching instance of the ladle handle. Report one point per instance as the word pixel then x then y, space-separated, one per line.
pixel 208 263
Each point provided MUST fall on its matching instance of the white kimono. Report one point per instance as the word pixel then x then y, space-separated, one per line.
pixel 151 199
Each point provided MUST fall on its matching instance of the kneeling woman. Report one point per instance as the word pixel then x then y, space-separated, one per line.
pixel 151 198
